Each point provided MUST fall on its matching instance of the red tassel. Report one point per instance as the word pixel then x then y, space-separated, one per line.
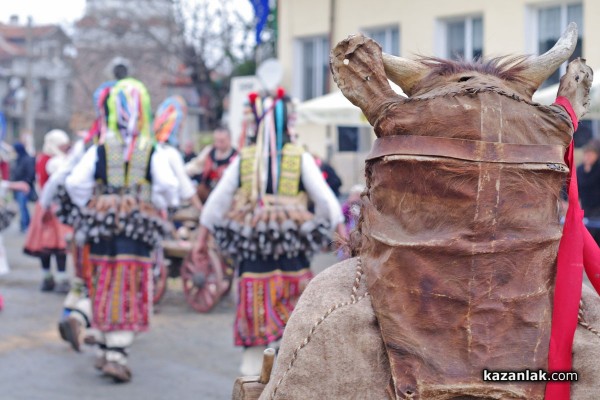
pixel 252 97
pixel 280 93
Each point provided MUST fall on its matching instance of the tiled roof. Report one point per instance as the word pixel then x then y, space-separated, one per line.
pixel 9 50
pixel 20 32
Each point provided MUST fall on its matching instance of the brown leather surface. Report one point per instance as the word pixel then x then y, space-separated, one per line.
pixel 459 247
pixel 469 150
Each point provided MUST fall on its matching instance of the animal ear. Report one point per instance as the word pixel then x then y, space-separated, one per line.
pixel 539 68
pixel 575 85
pixel 404 72
pixel 358 69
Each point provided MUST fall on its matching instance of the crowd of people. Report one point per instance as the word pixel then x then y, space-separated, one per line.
pixel 106 199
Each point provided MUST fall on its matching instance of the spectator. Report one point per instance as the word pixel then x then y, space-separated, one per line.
pixel 188 152
pixel 208 167
pixel 24 170
pixel 588 178
pixel 331 177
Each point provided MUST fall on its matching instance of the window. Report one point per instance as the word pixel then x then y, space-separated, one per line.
pixel 551 23
pixel 45 93
pixel 462 38
pixel 353 138
pixel 313 79
pixel 388 38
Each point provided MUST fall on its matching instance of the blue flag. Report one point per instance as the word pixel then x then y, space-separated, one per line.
pixel 261 11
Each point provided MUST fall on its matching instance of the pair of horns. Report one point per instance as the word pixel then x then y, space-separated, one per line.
pixel 407 73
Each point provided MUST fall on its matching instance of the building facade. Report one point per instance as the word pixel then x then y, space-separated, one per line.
pixel 448 29
pixel 140 33
pixel 38 58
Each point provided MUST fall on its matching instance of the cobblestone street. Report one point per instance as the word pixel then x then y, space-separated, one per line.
pixel 185 355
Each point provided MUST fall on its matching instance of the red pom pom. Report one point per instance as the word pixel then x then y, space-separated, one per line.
pixel 280 92
pixel 252 96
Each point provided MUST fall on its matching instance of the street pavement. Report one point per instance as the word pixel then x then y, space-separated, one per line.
pixel 185 355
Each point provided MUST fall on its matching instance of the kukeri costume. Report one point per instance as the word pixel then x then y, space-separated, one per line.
pixel 77 308
pixel 258 215
pixel 121 187
pixel 457 267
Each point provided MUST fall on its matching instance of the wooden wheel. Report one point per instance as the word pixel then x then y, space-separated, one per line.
pixel 160 274
pixel 203 280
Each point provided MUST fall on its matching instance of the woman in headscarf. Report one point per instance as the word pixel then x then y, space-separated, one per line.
pixel 46 236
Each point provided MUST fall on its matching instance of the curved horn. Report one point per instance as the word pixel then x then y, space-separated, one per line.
pixel 403 72
pixel 541 67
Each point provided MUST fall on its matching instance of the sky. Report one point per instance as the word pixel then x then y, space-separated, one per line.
pixel 63 12
pixel 42 11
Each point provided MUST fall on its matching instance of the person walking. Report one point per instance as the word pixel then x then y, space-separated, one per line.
pixel 23 170
pixel 271 177
pixel 46 237
pixel 122 185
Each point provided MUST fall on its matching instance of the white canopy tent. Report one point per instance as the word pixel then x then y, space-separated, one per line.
pixel 334 109
pixel 548 95
pixel 317 119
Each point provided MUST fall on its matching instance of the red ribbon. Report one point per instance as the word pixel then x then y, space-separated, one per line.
pixel 576 249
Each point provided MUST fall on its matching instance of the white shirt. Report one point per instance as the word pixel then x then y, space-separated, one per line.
pixel 80 183
pixel 59 176
pixel 221 198
pixel 186 187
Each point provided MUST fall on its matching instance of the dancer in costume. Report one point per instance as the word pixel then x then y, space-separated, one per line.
pixel 168 123
pixel 122 189
pixel 268 229
pixel 77 309
pixel 46 235
pixel 459 248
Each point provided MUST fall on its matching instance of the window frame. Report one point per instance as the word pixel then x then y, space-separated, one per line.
pixel 320 80
pixel 533 29
pixel 441 36
pixel 387 29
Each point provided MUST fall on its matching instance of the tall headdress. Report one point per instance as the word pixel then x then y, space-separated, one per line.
pixel 129 113
pixel 269 125
pixel 100 98
pixel 170 119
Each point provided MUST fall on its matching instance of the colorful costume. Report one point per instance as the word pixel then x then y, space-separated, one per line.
pixel 77 309
pixel 260 196
pixel 121 188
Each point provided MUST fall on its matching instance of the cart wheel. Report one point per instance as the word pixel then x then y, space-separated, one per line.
pixel 228 273
pixel 160 274
pixel 200 283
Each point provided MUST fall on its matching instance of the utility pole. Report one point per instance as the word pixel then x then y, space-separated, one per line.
pixel 332 8
pixel 29 100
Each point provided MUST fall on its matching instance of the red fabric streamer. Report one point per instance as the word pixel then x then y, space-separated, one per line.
pixel 577 248
pixel 566 104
